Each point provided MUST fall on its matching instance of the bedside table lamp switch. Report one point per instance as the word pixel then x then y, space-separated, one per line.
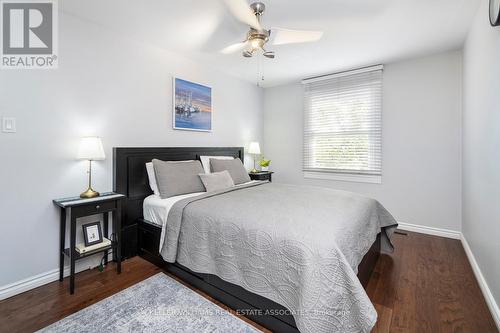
pixel 91 149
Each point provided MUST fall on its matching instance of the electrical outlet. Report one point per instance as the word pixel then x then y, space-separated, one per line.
pixel 9 125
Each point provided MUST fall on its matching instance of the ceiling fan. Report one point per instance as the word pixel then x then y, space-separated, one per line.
pixel 257 36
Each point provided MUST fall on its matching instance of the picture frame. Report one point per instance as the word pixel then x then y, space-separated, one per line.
pixel 92 233
pixel 192 106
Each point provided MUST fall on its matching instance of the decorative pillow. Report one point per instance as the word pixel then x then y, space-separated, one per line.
pixel 152 178
pixel 179 177
pixel 216 180
pixel 235 168
pixel 205 161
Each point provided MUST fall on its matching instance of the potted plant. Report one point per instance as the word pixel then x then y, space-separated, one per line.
pixel 264 164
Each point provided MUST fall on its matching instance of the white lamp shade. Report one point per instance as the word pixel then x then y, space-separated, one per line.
pixel 254 148
pixel 91 149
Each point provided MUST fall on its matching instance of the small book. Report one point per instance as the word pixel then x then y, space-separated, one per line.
pixel 81 248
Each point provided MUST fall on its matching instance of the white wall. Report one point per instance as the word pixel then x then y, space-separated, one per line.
pixel 421 181
pixel 106 85
pixel 481 147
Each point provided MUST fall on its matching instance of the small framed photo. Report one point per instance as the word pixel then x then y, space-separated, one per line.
pixel 92 233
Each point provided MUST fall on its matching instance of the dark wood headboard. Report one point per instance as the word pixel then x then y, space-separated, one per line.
pixel 130 177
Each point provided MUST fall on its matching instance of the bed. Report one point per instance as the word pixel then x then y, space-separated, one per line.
pixel 230 252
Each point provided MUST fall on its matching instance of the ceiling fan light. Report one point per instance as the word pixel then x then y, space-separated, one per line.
pixel 257 42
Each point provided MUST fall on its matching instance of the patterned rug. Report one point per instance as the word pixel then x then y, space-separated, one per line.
pixel 157 304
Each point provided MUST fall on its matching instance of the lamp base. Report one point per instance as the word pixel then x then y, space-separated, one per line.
pixel 90 193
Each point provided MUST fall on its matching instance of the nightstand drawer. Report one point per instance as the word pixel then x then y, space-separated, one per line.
pixel 97 208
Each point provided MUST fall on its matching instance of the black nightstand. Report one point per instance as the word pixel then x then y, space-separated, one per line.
pixel 261 175
pixel 76 208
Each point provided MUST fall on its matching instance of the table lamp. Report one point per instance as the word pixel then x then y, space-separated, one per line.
pixel 91 150
pixel 254 149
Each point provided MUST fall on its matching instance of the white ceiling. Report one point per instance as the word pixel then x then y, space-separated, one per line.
pixel 356 32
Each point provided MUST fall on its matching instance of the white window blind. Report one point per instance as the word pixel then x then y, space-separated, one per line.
pixel 343 123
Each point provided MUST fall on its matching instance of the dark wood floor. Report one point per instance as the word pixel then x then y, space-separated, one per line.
pixel 426 285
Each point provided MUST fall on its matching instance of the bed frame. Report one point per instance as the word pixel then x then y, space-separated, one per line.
pixel 130 179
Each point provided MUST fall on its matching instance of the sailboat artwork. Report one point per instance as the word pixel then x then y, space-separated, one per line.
pixel 192 106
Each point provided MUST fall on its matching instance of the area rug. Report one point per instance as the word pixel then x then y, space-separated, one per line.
pixel 157 304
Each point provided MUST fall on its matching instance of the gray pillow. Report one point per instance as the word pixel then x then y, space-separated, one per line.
pixel 175 178
pixel 234 167
pixel 216 180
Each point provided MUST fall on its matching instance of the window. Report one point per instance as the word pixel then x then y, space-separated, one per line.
pixel 343 126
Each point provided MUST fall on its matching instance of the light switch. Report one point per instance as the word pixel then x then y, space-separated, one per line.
pixel 9 125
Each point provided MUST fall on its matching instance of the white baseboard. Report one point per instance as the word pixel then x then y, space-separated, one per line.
pixel 32 282
pixel 488 296
pixel 21 286
pixel 430 230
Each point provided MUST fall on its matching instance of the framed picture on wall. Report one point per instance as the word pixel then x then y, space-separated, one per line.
pixel 92 233
pixel 192 108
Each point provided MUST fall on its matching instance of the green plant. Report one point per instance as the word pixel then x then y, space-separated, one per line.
pixel 264 163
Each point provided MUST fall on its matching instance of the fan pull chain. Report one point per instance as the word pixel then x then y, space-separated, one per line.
pixel 260 74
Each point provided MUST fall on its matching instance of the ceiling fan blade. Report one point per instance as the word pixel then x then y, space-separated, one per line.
pixel 269 54
pixel 242 11
pixel 233 48
pixel 288 36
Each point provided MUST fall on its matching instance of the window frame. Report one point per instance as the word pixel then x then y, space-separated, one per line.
pixel 339 174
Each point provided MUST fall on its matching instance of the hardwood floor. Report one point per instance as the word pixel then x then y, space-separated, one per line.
pixel 426 285
pixel 44 305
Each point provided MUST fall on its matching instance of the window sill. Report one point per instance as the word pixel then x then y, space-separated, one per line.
pixel 345 177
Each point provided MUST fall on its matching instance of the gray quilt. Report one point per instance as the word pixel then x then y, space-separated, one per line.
pixel 298 246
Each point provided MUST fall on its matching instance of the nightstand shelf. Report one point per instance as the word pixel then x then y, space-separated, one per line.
pixel 79 255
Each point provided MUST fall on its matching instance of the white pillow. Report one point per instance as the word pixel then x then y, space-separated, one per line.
pixel 152 178
pixel 205 161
